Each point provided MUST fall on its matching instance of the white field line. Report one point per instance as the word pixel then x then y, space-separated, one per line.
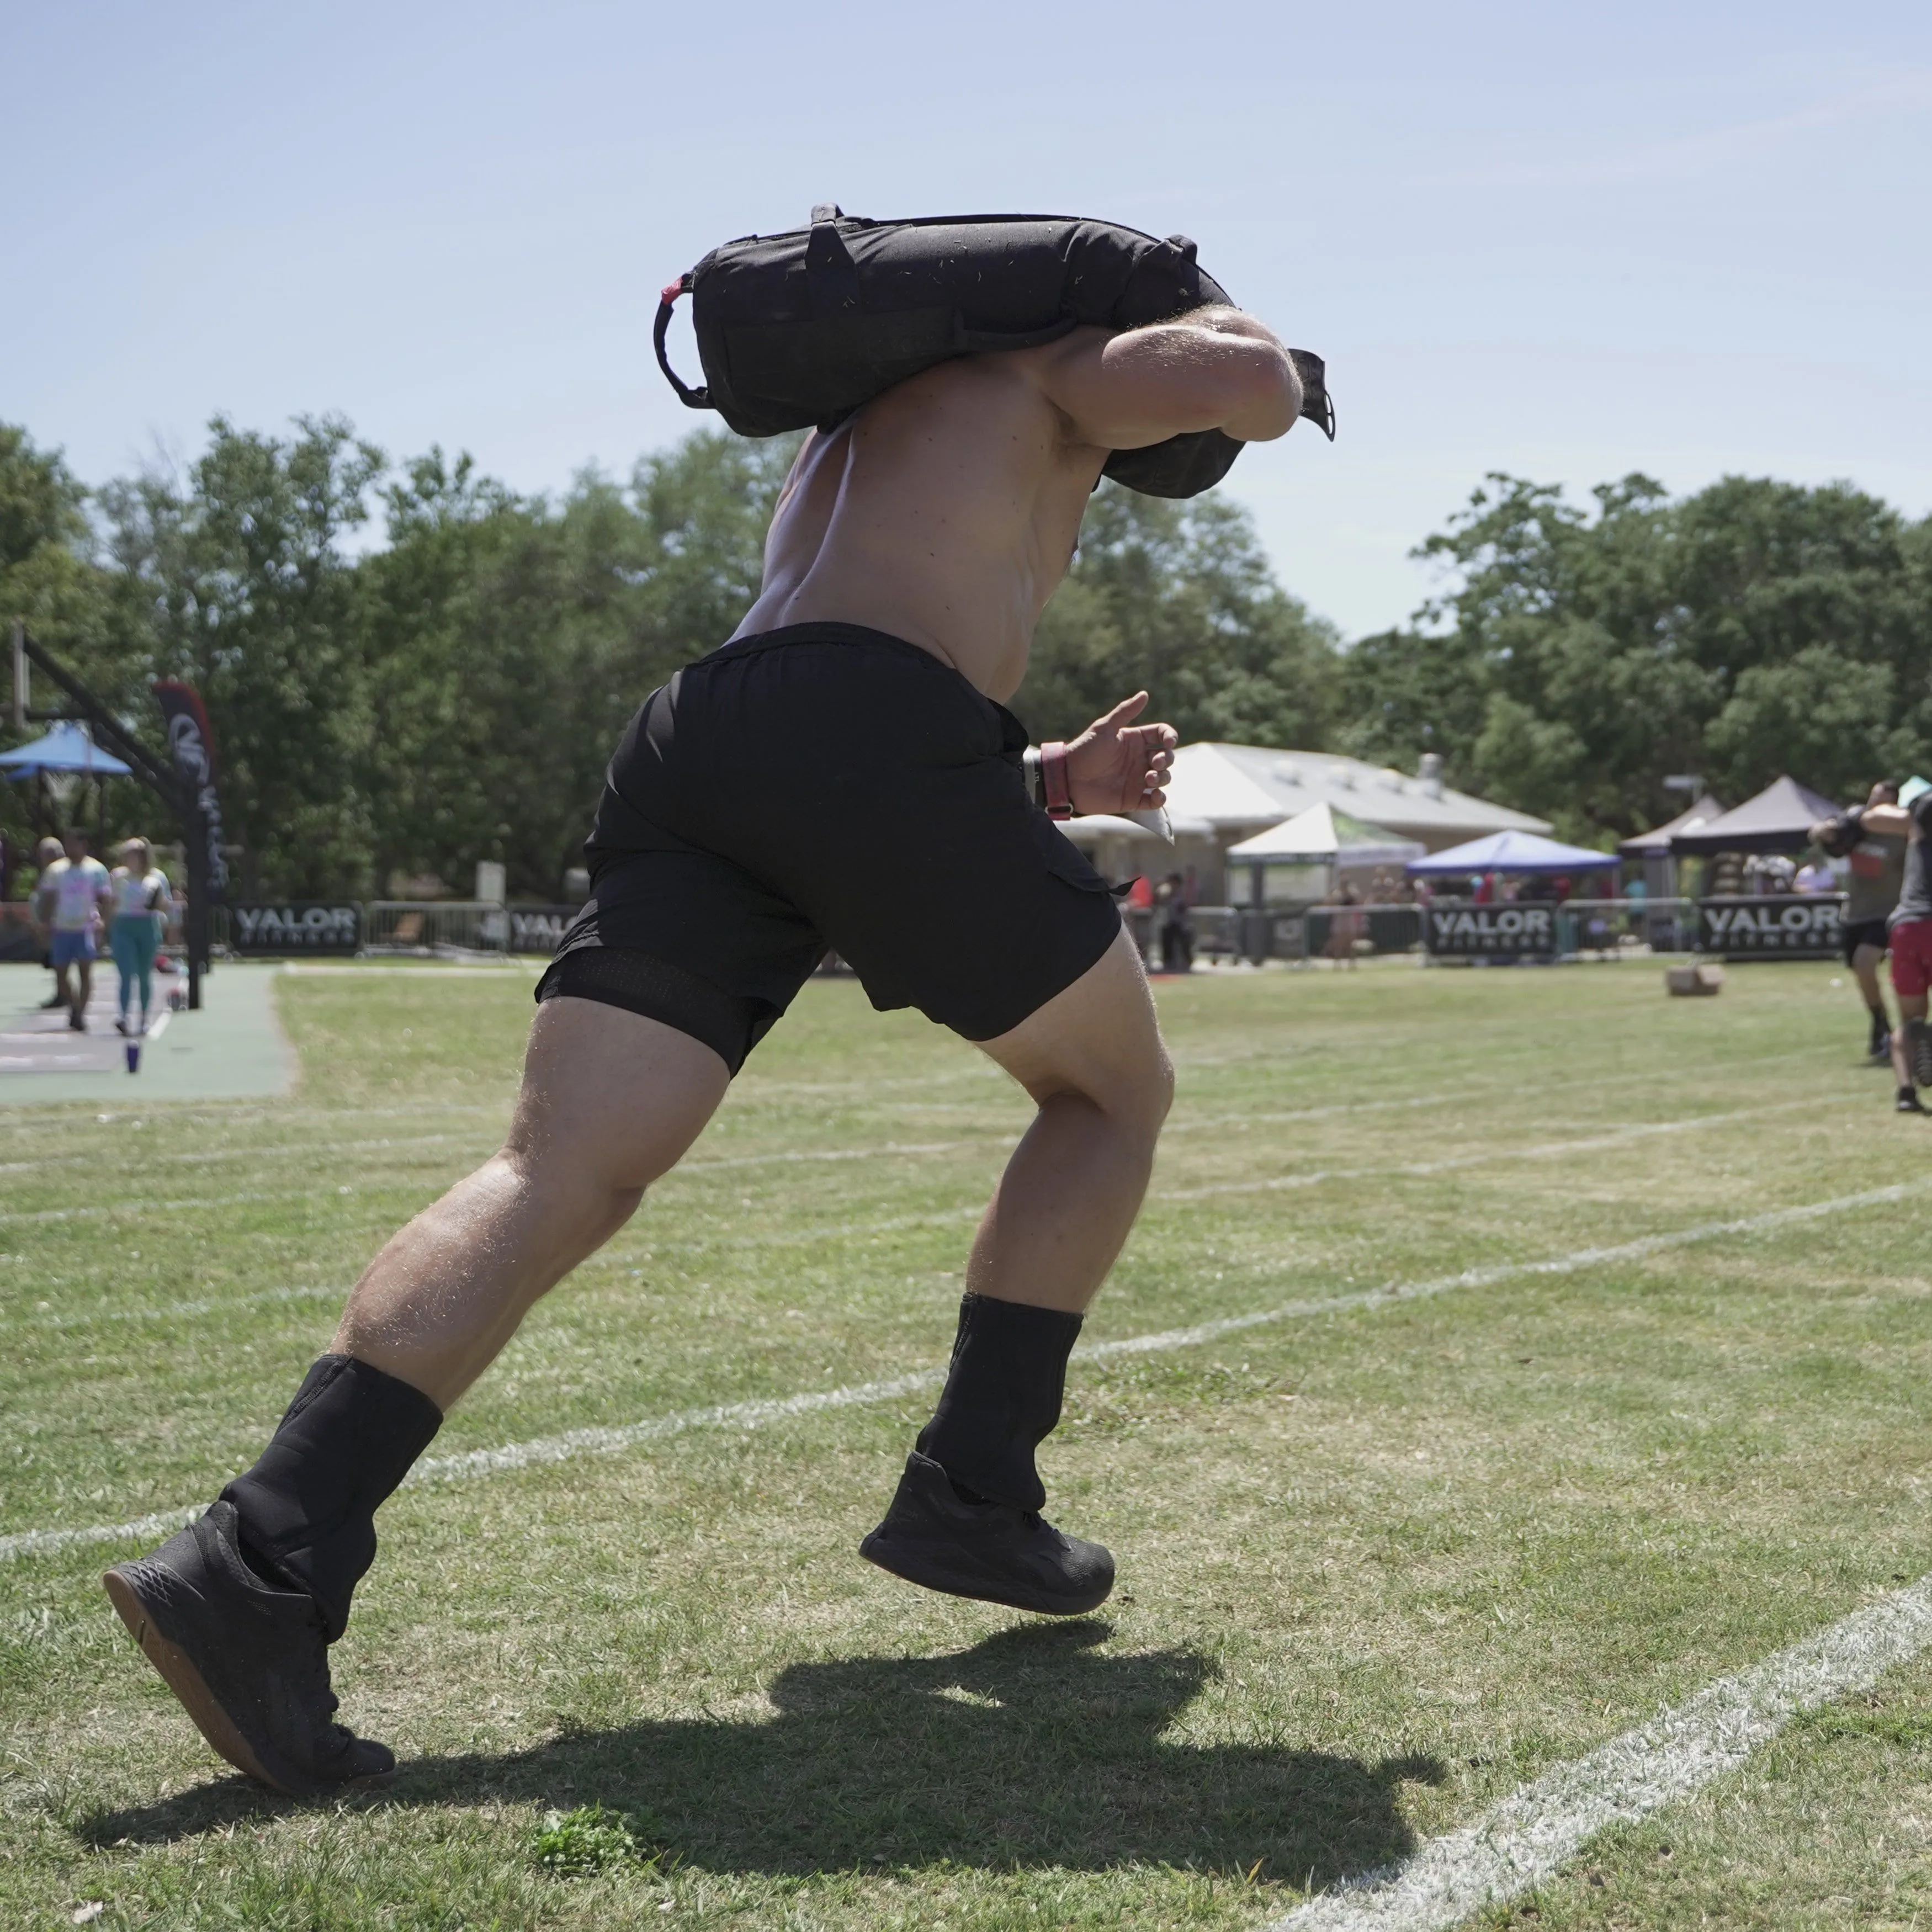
pixel 186 1311
pixel 1525 1840
pixel 514 967
pixel 231 1113
pixel 1452 1163
pixel 927 1149
pixel 308 1149
pixel 749 1415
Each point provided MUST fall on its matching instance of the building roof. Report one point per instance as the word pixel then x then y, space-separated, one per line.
pixel 1243 788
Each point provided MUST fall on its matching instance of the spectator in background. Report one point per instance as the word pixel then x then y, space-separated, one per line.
pixel 1875 859
pixel 71 900
pixel 47 854
pixel 1174 924
pixel 141 902
pixel 1768 872
pixel 1815 875
pixel 1910 932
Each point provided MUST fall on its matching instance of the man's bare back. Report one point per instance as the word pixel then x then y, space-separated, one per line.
pixel 946 512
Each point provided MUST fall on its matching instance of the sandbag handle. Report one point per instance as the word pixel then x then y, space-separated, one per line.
pixel 1317 404
pixel 699 398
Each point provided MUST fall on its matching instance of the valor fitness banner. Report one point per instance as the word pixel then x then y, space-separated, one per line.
pixel 1783 926
pixel 1454 930
pixel 302 926
pixel 538 928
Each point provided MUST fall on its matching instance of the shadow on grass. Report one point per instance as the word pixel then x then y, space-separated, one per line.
pixel 1032 1748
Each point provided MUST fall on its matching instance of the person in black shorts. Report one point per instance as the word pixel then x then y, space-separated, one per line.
pixel 841 772
pixel 1876 861
pixel 714 895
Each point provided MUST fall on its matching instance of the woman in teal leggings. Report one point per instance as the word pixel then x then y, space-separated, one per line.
pixel 141 902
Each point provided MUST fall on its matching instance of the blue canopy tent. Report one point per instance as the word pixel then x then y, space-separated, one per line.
pixel 1511 852
pixel 67 751
pixel 59 761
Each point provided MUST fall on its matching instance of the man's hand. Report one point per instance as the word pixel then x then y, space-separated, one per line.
pixel 1116 765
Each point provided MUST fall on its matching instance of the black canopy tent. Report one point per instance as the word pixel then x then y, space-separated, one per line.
pixel 1655 844
pixel 1780 819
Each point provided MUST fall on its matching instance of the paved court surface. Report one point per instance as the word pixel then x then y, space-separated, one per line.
pixel 233 1049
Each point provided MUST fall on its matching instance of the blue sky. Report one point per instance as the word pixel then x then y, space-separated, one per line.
pixel 1565 242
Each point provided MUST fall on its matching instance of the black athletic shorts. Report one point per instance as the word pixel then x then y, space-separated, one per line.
pixel 826 786
pixel 1866 932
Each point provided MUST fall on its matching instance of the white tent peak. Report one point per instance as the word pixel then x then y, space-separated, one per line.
pixel 1323 835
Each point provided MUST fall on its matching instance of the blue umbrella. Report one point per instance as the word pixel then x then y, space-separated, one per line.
pixel 1514 852
pixel 66 748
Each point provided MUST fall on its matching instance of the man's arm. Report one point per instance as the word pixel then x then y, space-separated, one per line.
pixel 1888 821
pixel 1215 369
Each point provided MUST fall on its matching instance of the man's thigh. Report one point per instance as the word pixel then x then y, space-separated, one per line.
pixel 610 1095
pixel 1100 1038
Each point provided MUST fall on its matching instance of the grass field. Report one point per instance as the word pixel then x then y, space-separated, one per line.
pixel 1379 1565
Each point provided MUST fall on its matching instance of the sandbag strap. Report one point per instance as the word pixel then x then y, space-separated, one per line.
pixel 699 398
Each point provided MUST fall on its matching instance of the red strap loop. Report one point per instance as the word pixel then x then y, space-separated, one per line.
pixel 1054 780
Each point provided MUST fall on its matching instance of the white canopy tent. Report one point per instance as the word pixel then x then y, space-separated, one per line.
pixel 1299 858
pixel 1323 835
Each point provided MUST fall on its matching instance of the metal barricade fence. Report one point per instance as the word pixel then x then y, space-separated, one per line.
pixel 1620 925
pixel 1343 932
pixel 435 925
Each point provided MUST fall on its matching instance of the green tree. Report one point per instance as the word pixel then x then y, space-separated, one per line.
pixel 49 580
pixel 510 639
pixel 234 578
pixel 1179 597
pixel 1582 656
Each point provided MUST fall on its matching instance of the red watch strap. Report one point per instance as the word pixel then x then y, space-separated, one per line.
pixel 1054 780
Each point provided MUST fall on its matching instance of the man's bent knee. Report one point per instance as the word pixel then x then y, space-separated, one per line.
pixel 1098 1040
pixel 610 1098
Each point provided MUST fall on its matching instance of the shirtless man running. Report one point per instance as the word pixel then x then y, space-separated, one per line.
pixel 841 772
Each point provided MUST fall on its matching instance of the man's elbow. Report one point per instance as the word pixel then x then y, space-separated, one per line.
pixel 1265 397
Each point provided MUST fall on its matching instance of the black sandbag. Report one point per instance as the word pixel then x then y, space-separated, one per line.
pixel 802 328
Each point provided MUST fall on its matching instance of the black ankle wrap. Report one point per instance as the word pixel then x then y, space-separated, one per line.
pixel 1002 1397
pixel 307 1510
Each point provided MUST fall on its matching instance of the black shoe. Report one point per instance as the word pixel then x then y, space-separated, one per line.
pixel 1880 1049
pixel 54 1000
pixel 75 1023
pixel 1907 1102
pixel 994 1552
pixel 249 1662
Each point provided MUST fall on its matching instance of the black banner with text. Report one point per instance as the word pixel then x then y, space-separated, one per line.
pixel 303 927
pixel 1452 930
pixel 1784 925
pixel 537 928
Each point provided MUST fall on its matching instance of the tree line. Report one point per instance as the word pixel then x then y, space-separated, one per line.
pixel 408 667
